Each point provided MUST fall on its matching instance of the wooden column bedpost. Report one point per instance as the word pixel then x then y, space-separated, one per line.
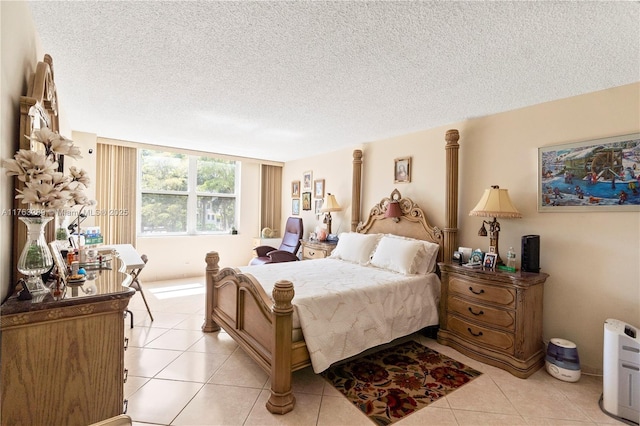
pixel 281 400
pixel 356 189
pixel 451 209
pixel 212 258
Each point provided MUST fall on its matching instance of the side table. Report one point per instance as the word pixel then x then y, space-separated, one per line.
pixel 493 316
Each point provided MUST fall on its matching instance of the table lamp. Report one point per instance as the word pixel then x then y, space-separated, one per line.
pixel 394 212
pixel 495 202
pixel 330 205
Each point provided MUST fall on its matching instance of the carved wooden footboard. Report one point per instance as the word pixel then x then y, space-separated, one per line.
pixel 262 326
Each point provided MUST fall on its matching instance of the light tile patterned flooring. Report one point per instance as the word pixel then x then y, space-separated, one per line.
pixel 179 375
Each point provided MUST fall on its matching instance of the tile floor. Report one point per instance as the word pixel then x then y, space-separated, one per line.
pixel 179 375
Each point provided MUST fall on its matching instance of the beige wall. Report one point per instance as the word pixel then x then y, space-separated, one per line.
pixel 335 168
pixel 21 51
pixel 593 258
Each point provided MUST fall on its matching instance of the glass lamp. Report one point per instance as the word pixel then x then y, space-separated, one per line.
pixel 495 203
pixel 330 205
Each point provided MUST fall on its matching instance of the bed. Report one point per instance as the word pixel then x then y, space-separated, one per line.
pixel 389 263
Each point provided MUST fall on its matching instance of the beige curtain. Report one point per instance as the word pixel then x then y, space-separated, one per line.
pixel 116 193
pixel 271 208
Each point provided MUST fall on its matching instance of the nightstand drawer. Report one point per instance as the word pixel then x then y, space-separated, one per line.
pixel 482 313
pixel 313 253
pixel 483 292
pixel 482 335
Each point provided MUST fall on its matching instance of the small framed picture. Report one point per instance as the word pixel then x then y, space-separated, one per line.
pixel 295 189
pixel 295 206
pixel 476 257
pixel 489 261
pixel 402 170
pixel 318 188
pixel 306 201
pixel 318 206
pixel 306 181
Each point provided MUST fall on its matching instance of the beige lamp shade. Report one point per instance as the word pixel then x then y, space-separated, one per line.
pixel 495 202
pixel 330 204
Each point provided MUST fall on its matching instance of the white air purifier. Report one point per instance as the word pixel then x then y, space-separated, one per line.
pixel 562 360
pixel 621 371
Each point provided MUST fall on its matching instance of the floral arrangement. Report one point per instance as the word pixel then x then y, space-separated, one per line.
pixel 46 189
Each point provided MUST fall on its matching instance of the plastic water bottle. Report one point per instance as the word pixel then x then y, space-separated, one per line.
pixel 511 260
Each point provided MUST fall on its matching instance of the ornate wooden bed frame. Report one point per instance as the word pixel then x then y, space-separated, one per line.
pixel 262 324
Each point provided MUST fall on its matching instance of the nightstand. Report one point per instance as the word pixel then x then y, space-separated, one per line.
pixel 493 316
pixel 317 249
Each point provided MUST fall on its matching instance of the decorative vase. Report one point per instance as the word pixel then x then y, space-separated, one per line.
pixel 36 258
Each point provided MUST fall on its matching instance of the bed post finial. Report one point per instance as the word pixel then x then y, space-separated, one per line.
pixel 281 400
pixel 356 189
pixel 451 209
pixel 212 258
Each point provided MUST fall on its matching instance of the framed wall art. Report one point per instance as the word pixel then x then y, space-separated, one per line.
pixel 318 207
pixel 318 188
pixel 306 201
pixel 306 181
pixel 594 175
pixel 295 206
pixel 295 189
pixel 402 170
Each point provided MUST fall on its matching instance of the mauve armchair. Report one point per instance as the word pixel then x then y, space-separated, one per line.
pixel 288 251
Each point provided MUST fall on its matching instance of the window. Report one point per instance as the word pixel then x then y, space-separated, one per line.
pixel 186 194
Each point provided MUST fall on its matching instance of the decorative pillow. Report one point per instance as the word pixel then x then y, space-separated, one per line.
pixel 355 247
pixel 398 255
pixel 429 257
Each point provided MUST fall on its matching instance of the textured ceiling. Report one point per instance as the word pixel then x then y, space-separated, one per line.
pixel 284 80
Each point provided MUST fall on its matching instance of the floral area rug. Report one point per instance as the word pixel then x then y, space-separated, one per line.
pixel 392 383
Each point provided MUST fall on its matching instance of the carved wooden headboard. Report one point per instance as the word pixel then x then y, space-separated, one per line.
pixel 413 223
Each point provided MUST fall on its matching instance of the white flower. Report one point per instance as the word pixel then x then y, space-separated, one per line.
pixel 44 186
pixel 79 176
pixel 55 143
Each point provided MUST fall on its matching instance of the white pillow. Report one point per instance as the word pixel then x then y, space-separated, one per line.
pixel 398 255
pixel 355 247
pixel 429 258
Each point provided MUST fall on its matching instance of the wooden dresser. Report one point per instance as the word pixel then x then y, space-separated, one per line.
pixel 493 316
pixel 63 360
pixel 316 249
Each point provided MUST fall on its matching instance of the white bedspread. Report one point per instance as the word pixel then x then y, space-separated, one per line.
pixel 345 308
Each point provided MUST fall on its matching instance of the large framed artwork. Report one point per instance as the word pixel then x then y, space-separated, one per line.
pixel 594 175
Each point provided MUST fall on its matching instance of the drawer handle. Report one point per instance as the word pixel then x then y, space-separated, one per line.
pixel 476 292
pixel 125 406
pixel 476 313
pixel 474 334
pixel 126 375
pixel 126 343
pixel 312 253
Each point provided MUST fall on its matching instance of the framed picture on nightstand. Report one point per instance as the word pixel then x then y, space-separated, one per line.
pixel 490 261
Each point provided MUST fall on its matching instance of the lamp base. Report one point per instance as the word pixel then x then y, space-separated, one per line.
pixel 327 220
